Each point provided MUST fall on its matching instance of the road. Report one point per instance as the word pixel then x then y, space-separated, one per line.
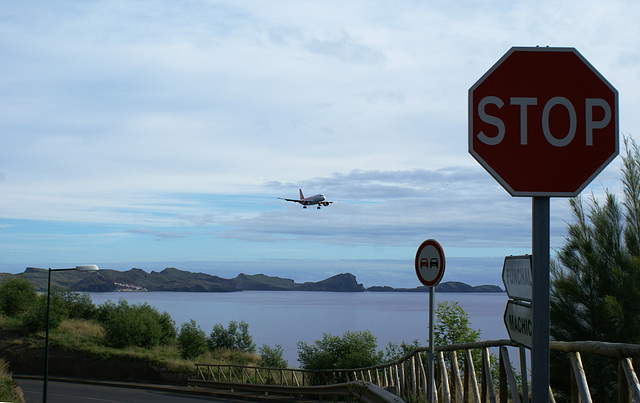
pixel 68 392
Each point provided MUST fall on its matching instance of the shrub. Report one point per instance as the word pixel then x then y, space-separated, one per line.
pixel 36 319
pixel 79 304
pixel 236 335
pixel 394 351
pixel 272 356
pixel 138 325
pixel 353 350
pixel 192 339
pixel 16 296
pixel 453 325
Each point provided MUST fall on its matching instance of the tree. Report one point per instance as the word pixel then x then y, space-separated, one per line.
pixel 452 325
pixel 595 283
pixel 16 296
pixel 36 319
pixel 353 350
pixel 235 336
pixel 192 339
pixel 272 356
pixel 595 292
pixel 138 325
pixel 395 351
pixel 80 305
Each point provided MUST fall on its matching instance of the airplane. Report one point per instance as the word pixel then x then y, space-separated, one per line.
pixel 318 199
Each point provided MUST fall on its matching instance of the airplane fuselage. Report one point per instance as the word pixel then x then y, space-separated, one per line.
pixel 318 200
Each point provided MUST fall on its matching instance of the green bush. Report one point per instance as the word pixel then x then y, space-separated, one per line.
pixel 452 325
pixel 192 339
pixel 394 351
pixel 63 305
pixel 109 310
pixel 16 296
pixel 353 350
pixel 80 305
pixel 235 336
pixel 36 319
pixel 138 325
pixel 272 356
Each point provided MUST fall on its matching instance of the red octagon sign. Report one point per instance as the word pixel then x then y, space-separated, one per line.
pixel 543 122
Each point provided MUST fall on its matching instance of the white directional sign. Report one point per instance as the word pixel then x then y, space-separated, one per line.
pixel 516 277
pixel 518 318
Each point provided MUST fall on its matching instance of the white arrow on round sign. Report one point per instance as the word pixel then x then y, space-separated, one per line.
pixel 430 263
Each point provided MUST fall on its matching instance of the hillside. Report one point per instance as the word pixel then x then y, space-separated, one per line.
pixel 172 279
pixel 446 286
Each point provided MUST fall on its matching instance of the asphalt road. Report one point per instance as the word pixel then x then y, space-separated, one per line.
pixel 68 392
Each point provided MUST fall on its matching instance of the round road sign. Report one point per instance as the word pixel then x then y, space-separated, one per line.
pixel 430 263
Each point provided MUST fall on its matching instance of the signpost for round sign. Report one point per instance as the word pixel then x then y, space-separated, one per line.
pixel 430 264
pixel 543 122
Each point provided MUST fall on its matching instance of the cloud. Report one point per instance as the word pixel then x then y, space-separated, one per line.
pixel 345 48
pixel 161 235
pixel 397 208
pixel 128 119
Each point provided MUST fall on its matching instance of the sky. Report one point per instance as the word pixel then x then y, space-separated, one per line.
pixel 157 134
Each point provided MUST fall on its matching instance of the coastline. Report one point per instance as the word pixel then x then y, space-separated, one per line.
pixel 172 279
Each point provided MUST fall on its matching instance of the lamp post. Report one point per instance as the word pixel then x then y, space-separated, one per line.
pixel 90 267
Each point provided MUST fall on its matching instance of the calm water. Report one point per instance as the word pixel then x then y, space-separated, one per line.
pixel 286 317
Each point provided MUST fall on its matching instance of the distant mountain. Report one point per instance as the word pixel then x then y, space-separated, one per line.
pixel 447 286
pixel 172 279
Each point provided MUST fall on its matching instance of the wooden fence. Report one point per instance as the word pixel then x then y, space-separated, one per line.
pixel 464 373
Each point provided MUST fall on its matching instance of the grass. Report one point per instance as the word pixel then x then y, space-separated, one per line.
pixel 89 337
pixel 9 390
pixel 7 323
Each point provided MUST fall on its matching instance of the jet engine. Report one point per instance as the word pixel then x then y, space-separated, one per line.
pixel 325 204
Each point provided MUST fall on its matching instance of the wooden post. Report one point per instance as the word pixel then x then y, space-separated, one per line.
pixel 623 388
pixel 473 380
pixel 446 393
pixel 523 373
pixel 423 377
pixel 414 381
pixel 503 359
pixel 487 379
pixel 457 380
pixel 581 379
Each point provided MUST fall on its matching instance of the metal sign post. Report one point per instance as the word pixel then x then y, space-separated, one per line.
pixel 540 347
pixel 534 113
pixel 429 266
pixel 431 393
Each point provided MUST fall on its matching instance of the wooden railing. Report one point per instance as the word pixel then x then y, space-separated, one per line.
pixel 464 373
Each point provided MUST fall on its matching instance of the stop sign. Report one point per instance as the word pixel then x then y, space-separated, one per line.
pixel 543 121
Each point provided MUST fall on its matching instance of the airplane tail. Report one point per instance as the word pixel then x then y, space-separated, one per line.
pixel 301 195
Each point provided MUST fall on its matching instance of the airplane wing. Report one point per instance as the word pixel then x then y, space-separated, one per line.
pixel 291 200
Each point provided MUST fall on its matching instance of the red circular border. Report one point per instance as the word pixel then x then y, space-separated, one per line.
pixel 438 247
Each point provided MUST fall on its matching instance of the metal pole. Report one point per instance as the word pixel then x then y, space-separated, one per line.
pixel 431 366
pixel 46 343
pixel 540 304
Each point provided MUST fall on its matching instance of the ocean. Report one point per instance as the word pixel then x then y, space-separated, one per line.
pixel 288 317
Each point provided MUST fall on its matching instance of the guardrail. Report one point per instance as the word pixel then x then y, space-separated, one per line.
pixel 458 379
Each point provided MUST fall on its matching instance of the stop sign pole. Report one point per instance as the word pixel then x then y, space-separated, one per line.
pixel 540 233
pixel 543 122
